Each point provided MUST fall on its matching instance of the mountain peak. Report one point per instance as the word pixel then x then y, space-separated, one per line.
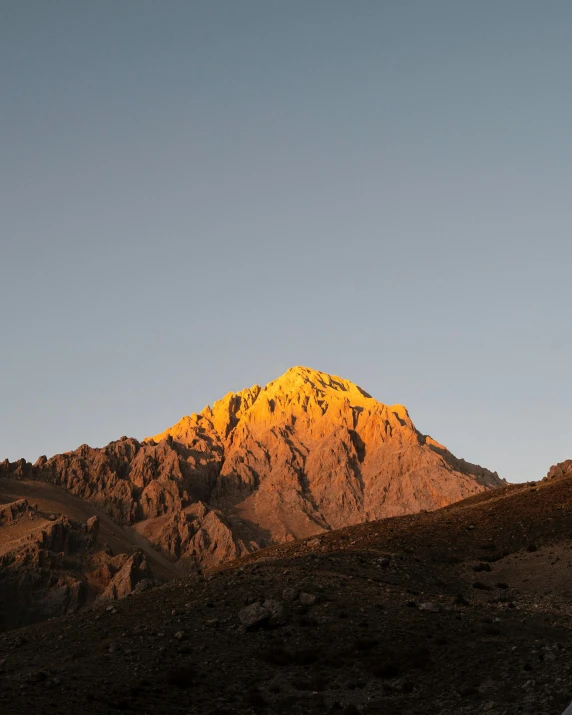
pixel 299 392
pixel 313 450
pixel 299 376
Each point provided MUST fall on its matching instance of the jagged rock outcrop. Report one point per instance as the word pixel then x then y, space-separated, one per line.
pixel 562 469
pixel 197 534
pixel 51 565
pixel 307 453
pixel 123 579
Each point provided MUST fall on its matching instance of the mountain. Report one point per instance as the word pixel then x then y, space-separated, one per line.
pixel 463 610
pixel 308 453
pixel 312 452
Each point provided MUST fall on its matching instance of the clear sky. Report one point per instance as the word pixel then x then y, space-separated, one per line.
pixel 196 195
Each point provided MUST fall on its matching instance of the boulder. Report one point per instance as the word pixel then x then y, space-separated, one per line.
pixel 308 599
pixel 254 615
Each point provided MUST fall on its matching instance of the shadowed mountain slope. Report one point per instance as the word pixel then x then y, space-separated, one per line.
pixel 59 554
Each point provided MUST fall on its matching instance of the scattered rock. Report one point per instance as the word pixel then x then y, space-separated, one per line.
pixel 253 615
pixel 308 599
pixel 276 611
pixel 429 606
pixel 145 584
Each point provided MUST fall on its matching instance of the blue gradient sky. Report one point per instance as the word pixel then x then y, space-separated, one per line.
pixel 195 196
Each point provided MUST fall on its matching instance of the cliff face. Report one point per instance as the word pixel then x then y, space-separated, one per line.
pixel 309 452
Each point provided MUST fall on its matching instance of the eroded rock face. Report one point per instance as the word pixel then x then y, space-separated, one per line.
pixel 51 565
pixel 124 581
pixel 308 453
pixel 562 469
pixel 197 534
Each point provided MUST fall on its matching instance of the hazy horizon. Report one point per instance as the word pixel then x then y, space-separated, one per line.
pixel 197 196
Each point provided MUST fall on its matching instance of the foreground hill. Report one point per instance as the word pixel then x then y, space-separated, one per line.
pixel 458 611
pixel 306 454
